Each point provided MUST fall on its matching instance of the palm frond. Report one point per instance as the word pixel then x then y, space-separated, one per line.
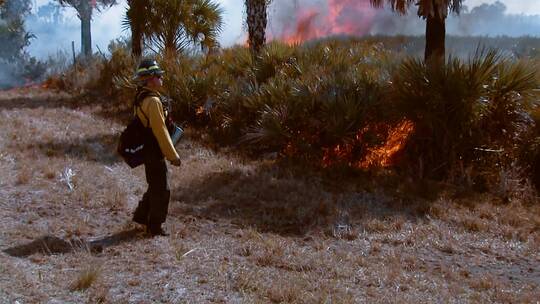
pixel 400 6
pixel 173 26
pixel 425 7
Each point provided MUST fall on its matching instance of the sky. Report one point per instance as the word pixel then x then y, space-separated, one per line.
pixel 107 25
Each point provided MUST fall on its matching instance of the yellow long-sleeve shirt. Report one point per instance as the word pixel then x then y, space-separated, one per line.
pixel 153 109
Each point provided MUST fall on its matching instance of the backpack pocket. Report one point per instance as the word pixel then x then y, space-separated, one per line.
pixel 131 143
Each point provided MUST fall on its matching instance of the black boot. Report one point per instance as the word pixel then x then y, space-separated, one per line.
pixel 140 216
pixel 156 230
pixel 140 219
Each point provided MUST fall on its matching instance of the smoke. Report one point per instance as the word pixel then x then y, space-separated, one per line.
pixel 300 21
pixel 494 20
pixel 55 27
pixel 233 19
pixel 289 19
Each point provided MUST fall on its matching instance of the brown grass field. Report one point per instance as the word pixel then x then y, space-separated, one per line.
pixel 242 231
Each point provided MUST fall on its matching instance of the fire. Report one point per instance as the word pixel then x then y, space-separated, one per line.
pixel 53 83
pixel 304 28
pixel 382 156
pixel 339 17
pixel 200 110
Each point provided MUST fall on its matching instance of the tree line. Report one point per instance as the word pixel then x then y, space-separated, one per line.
pixel 171 26
pixel 435 12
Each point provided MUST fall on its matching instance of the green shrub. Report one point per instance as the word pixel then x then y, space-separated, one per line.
pixel 300 100
pixel 465 113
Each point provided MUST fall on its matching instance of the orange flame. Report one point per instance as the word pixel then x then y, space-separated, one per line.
pixel 200 110
pixel 340 17
pixel 53 83
pixel 382 156
pixel 304 28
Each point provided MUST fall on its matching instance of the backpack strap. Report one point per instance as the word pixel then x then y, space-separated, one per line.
pixel 139 97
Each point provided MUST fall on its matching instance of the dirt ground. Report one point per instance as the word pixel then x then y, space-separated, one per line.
pixel 241 231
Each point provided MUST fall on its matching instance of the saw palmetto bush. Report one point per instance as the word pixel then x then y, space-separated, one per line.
pixel 530 150
pixel 297 100
pixel 337 101
pixel 321 98
pixel 466 114
pixel 217 91
pixel 195 83
pixel 530 157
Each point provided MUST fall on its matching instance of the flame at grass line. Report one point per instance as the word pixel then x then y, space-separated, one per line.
pixel 27 85
pixel 382 156
pixel 311 20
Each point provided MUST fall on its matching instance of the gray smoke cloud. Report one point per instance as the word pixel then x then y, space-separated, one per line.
pixel 55 27
pixel 494 20
pixel 484 20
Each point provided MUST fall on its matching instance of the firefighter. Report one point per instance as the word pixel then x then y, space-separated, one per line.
pixel 152 209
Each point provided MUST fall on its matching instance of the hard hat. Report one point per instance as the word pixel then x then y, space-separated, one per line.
pixel 148 67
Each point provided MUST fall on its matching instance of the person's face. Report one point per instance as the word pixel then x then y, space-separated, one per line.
pixel 155 82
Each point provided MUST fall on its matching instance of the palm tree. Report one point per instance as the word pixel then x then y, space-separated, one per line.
pixel 84 11
pixel 435 13
pixel 171 26
pixel 136 20
pixel 257 19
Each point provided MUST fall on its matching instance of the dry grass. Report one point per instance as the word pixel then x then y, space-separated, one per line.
pixel 86 278
pixel 242 231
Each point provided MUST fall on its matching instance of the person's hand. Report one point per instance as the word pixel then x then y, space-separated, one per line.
pixel 176 162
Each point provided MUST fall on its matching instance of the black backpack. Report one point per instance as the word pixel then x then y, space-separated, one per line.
pixel 135 135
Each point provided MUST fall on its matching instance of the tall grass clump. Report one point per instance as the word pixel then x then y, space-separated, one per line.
pixel 466 114
pixel 115 70
pixel 86 278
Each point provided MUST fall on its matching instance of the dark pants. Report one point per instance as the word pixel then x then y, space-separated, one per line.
pixel 153 207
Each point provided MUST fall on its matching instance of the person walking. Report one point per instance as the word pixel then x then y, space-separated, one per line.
pixel 150 110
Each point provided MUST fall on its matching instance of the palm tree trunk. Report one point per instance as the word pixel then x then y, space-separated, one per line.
pixel 435 39
pixel 85 14
pixel 136 42
pixel 136 13
pixel 256 20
